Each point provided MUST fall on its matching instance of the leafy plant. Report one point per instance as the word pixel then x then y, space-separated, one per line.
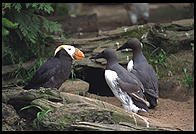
pixel 187 80
pixel 73 75
pixel 43 90
pixel 6 23
pixel 192 25
pixel 22 75
pixel 25 31
pixel 192 45
pixel 40 114
pixel 158 57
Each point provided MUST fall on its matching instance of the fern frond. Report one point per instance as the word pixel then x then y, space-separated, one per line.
pixel 17 6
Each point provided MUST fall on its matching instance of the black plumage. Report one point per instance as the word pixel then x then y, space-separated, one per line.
pixel 143 71
pixel 122 83
pixel 53 72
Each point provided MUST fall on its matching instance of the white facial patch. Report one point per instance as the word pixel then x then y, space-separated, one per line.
pixel 70 49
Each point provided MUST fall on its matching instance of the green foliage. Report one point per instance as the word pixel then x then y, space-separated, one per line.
pixel 31 26
pixel 22 75
pixel 192 45
pixel 156 57
pixel 25 31
pixel 159 58
pixel 73 75
pixel 187 80
pixel 43 90
pixel 192 25
pixel 40 114
pixel 7 23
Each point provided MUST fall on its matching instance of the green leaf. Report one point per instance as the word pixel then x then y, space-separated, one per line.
pixel 28 5
pixel 185 70
pixel 30 106
pixel 42 113
pixel 4 31
pixel 17 6
pixel 39 115
pixel 8 23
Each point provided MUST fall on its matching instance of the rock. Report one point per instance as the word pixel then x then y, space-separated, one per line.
pixel 171 37
pixel 9 118
pixel 74 86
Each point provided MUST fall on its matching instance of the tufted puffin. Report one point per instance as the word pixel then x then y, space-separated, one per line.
pixel 125 86
pixel 143 71
pixel 55 70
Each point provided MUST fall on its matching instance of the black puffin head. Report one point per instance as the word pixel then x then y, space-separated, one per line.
pixel 70 51
pixel 63 53
pixel 133 43
pixel 107 54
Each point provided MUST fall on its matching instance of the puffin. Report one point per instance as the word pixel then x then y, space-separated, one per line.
pixel 55 70
pixel 124 85
pixel 143 71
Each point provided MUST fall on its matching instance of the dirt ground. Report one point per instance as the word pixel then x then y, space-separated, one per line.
pixel 176 114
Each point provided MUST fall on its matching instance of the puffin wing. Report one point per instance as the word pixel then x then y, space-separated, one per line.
pixel 44 73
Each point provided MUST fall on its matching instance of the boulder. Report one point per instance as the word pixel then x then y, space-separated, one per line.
pixel 74 86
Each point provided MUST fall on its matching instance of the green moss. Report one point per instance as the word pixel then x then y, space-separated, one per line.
pixel 117 117
pixel 136 32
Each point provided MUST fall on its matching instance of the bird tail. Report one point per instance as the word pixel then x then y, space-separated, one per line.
pixel 141 104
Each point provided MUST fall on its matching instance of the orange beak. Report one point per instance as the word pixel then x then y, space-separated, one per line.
pixel 78 55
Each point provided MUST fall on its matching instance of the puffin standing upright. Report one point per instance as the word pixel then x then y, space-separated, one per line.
pixel 55 70
pixel 143 71
pixel 125 86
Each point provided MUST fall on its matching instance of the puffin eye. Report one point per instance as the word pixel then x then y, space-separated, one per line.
pixel 69 48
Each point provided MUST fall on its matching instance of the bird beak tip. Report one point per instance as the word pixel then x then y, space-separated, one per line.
pixel 79 55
